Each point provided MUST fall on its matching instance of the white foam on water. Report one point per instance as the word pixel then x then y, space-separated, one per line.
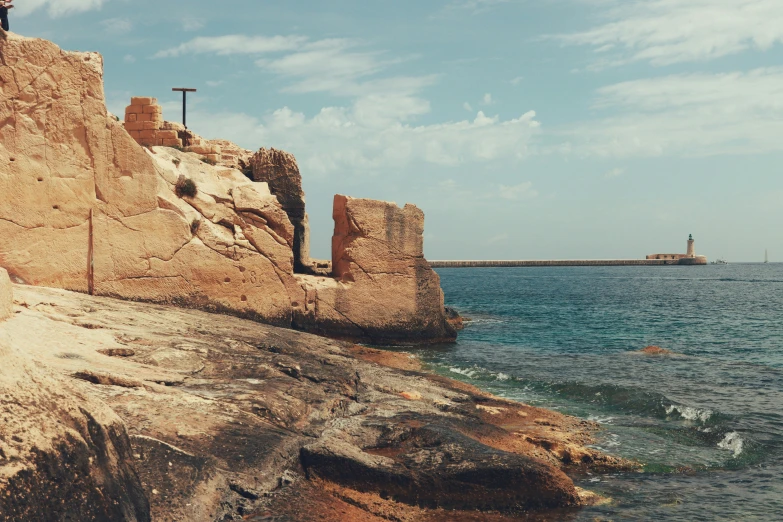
pixel 601 420
pixel 502 376
pixel 690 413
pixel 732 442
pixel 465 372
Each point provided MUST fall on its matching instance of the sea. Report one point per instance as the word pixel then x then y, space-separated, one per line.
pixel 706 422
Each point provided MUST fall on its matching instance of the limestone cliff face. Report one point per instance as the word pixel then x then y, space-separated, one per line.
pixel 63 159
pixel 84 207
pixel 62 455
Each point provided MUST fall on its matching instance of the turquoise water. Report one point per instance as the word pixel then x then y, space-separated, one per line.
pixel 707 423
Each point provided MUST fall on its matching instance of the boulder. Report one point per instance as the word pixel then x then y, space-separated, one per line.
pixel 433 465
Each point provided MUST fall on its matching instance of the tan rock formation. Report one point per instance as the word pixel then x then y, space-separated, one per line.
pixel 384 290
pixel 64 159
pixel 84 207
pixel 280 170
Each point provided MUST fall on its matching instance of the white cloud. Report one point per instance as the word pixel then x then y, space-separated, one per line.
pixel 339 139
pixel 57 8
pixel 665 32
pixel 476 6
pixel 487 99
pixel 336 65
pixel 376 130
pixel 234 44
pixel 215 83
pixel 192 24
pixel 690 115
pixel 325 65
pixel 467 107
pixel 518 192
pixel 516 81
pixel 614 173
pixel 129 58
pixel 117 26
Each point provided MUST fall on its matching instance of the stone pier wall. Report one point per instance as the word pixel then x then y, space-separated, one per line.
pixel 567 262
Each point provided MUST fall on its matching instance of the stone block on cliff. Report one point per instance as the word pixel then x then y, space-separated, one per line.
pixel 6 296
pixel 134 109
pixel 141 101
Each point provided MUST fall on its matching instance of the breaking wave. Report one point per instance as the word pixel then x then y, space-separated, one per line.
pixel 690 413
pixel 732 442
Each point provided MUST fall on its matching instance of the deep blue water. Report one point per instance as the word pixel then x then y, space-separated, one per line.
pixel 707 423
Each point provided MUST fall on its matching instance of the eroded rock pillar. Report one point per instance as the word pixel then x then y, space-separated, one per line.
pixel 280 171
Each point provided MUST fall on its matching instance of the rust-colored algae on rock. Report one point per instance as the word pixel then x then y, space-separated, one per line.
pixel 655 350
pixel 398 360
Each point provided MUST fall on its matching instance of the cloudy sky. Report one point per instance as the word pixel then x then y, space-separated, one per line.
pixel 525 129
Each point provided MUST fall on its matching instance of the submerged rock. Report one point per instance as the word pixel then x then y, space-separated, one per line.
pixel 655 350
pixel 454 318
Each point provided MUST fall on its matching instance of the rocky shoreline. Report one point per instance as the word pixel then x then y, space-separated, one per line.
pixel 198 416
pixel 136 410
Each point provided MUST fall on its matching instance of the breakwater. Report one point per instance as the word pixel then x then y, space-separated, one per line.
pixel 562 262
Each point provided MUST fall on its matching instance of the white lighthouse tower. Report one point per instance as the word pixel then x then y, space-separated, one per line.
pixel 691 252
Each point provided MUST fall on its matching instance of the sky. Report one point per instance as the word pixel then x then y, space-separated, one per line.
pixel 524 129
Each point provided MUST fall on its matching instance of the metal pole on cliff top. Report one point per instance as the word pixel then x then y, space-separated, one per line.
pixel 184 102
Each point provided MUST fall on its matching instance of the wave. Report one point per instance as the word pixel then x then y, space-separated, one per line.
pixel 690 413
pixel 732 442
pixel 477 372
pixel 608 398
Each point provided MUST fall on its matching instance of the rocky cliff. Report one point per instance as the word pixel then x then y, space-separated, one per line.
pixel 85 207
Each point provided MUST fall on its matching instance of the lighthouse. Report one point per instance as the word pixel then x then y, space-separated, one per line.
pixel 691 252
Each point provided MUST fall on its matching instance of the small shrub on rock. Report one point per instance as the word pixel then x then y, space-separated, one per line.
pixel 194 226
pixel 185 187
pixel 176 162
